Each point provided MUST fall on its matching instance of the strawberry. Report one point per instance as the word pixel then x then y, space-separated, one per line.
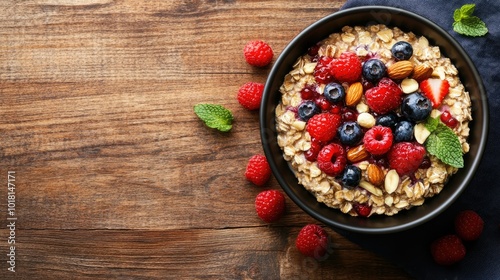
pixel 447 250
pixel 468 225
pixel 324 126
pixel 385 97
pixel 435 90
pixel 250 95
pixel 313 241
pixel 347 68
pixel 332 159
pixel 270 205
pixel 258 53
pixel 258 170
pixel 406 157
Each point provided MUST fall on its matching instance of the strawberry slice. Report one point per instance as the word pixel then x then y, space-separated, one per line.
pixel 435 90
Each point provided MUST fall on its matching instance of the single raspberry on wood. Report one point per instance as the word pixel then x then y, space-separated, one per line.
pixel 270 205
pixel 250 95
pixel 313 241
pixel 447 250
pixel 258 53
pixel 258 170
pixel 468 225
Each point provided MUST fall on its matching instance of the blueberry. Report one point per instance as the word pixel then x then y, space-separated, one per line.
pixel 350 133
pixel 334 92
pixel 351 176
pixel 307 109
pixel 402 50
pixel 416 107
pixel 373 70
pixel 403 132
pixel 388 120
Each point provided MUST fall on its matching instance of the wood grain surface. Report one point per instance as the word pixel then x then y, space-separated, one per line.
pixel 115 176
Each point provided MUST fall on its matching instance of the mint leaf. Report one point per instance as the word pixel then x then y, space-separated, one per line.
pixel 431 123
pixel 467 24
pixel 215 116
pixel 445 145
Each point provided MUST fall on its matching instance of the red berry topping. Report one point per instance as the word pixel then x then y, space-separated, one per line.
pixel 378 140
pixel 322 70
pixel 270 205
pixel 323 126
pixel 347 68
pixel 258 53
pixel 448 119
pixel 309 92
pixel 313 242
pixel 332 159
pixel 468 225
pixel 312 153
pixel 435 90
pixel 406 157
pixel 250 95
pixel 258 170
pixel 363 210
pixel 323 103
pixel 447 250
pixel 385 97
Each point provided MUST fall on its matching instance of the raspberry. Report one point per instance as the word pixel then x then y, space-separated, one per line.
pixel 250 95
pixel 378 140
pixel 347 68
pixel 468 225
pixel 323 126
pixel 385 97
pixel 270 205
pixel 313 241
pixel 258 170
pixel 258 53
pixel 447 250
pixel 322 70
pixel 406 157
pixel 363 210
pixel 332 159
pixel 313 152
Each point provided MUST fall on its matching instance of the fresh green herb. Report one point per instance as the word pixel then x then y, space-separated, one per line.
pixel 467 24
pixel 444 143
pixel 215 116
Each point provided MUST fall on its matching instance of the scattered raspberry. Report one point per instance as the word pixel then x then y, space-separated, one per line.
pixel 363 210
pixel 378 140
pixel 313 242
pixel 447 250
pixel 258 170
pixel 322 70
pixel 406 157
pixel 332 159
pixel 385 97
pixel 347 68
pixel 468 225
pixel 250 95
pixel 270 205
pixel 324 126
pixel 258 53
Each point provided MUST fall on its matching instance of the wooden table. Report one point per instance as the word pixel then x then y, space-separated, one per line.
pixel 114 175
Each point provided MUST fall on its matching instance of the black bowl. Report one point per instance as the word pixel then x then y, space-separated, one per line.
pixel 406 21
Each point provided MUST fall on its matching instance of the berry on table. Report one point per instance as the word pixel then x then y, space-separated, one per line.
pixel 334 92
pixel 313 241
pixel 258 170
pixel 250 95
pixel 332 159
pixel 378 140
pixel 416 107
pixel 373 70
pixel 322 70
pixel 307 109
pixel 468 225
pixel 270 205
pixel 351 176
pixel 350 133
pixel 402 50
pixel 258 53
pixel 403 132
pixel 406 157
pixel 347 68
pixel 385 97
pixel 323 126
pixel 435 90
pixel 447 250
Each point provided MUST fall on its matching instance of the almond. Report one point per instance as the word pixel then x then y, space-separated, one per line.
pixel 357 154
pixel 421 72
pixel 400 70
pixel 354 94
pixel 391 181
pixel 375 174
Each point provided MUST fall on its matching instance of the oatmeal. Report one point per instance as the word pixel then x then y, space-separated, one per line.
pixel 365 120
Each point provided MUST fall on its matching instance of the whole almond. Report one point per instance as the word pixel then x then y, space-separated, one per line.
pixel 354 94
pixel 421 72
pixel 400 70
pixel 357 154
pixel 375 174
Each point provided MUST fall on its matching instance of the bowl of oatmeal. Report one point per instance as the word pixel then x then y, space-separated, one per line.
pixel 373 120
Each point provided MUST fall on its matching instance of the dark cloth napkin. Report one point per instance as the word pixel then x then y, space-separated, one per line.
pixel 411 249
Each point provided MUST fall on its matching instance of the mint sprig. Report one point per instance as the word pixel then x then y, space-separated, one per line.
pixel 215 116
pixel 467 24
pixel 443 143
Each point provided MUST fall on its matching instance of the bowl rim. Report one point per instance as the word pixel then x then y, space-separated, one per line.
pixel 264 131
